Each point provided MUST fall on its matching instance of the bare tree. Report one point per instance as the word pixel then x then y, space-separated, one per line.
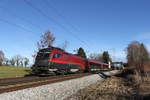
pixel 26 61
pixel 2 57
pixel 92 56
pixel 21 62
pixel 47 40
pixel 144 56
pixel 17 59
pixel 6 62
pixel 34 55
pixel 12 61
pixel 133 53
pixel 95 56
pixel 137 55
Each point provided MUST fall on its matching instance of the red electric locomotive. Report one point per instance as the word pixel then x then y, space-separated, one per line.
pixel 56 60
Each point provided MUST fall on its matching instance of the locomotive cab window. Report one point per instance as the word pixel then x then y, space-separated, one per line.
pixel 56 55
pixel 43 55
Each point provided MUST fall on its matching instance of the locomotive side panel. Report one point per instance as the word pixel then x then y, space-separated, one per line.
pixel 66 62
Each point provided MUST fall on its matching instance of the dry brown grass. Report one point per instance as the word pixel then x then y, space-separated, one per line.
pixel 133 86
pixel 143 83
pixel 144 87
pixel 114 88
pixel 147 68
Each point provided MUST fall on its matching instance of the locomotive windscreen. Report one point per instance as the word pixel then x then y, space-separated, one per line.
pixel 43 53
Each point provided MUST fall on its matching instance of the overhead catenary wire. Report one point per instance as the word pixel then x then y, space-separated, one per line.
pixel 59 14
pixel 14 24
pixel 53 20
pixel 21 18
pixel 52 6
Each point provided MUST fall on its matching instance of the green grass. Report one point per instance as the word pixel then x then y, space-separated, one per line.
pixel 11 71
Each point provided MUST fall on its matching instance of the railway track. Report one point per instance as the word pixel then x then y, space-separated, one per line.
pixel 13 84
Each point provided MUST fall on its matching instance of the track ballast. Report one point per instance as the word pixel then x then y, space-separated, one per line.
pixel 13 84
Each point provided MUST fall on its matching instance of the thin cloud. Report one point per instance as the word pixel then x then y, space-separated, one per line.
pixel 143 36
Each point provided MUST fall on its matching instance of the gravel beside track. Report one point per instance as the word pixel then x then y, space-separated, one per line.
pixel 54 91
pixel 9 85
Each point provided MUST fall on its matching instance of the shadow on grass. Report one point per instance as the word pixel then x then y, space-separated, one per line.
pixel 27 70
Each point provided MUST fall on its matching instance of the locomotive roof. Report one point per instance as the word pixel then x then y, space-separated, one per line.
pixel 50 49
pixel 73 55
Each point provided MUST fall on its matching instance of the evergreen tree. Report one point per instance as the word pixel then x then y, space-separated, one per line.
pixel 96 56
pixel 105 57
pixel 81 53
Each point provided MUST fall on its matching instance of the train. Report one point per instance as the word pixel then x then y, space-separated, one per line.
pixel 54 60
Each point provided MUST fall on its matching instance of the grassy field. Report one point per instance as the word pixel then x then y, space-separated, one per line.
pixel 11 71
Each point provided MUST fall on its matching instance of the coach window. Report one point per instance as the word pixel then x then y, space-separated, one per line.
pixel 56 55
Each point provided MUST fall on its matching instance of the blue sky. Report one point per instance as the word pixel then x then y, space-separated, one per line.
pixel 103 24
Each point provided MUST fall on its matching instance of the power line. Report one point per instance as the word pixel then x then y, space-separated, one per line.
pixel 52 20
pixel 50 5
pixel 16 25
pixel 59 14
pixel 21 18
